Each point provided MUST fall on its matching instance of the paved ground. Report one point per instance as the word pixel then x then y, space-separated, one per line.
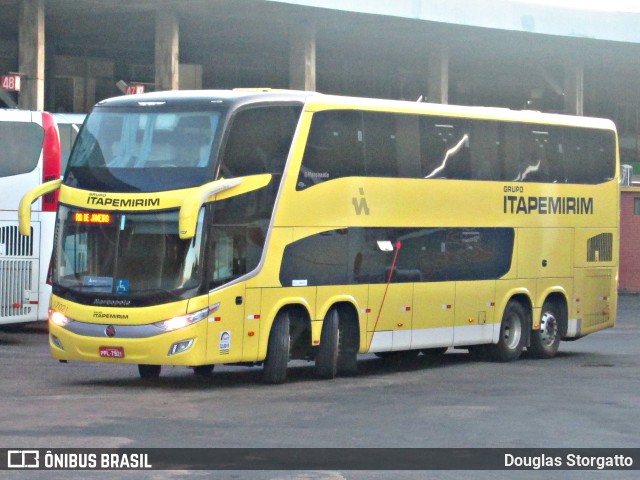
pixel 585 397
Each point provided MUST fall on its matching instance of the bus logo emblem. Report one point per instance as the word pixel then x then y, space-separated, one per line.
pixel 110 331
pixel 360 204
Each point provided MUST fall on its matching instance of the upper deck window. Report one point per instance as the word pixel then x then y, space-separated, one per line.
pixel 258 141
pixel 142 150
pixel 352 143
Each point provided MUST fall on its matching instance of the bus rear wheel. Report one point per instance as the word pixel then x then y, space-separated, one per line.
pixel 512 339
pixel 348 345
pixel 327 355
pixel 149 372
pixel 275 364
pixel 546 340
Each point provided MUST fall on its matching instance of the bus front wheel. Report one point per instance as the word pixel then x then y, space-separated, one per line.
pixel 512 339
pixel 203 370
pixel 275 364
pixel 149 372
pixel 546 340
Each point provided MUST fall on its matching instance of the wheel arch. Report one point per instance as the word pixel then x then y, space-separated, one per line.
pixel 523 298
pixel 299 319
pixel 347 310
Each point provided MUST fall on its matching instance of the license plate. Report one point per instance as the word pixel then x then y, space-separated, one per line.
pixel 112 352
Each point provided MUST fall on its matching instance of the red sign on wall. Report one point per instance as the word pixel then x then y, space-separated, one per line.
pixel 133 89
pixel 11 82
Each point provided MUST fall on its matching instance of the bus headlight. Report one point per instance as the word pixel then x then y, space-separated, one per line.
pixel 58 318
pixel 186 320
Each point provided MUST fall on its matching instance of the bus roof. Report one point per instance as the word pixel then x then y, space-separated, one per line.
pixel 207 97
pixel 317 101
pixel 325 102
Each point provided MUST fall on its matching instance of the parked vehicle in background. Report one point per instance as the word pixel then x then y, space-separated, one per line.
pixel 68 127
pixel 29 156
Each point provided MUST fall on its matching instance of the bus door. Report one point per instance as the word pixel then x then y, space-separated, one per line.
pixel 226 328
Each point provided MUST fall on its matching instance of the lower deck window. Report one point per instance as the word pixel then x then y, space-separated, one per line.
pixel 366 255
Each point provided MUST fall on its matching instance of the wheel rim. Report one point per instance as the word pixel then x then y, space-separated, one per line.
pixel 548 329
pixel 512 331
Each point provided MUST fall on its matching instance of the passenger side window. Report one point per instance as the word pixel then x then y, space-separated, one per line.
pixel 484 150
pixel 541 155
pixel 345 143
pixel 380 144
pixel 533 153
pixel 444 148
pixel 334 148
pixel 589 155
pixel 259 141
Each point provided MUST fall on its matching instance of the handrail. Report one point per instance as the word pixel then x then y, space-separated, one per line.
pixel 24 210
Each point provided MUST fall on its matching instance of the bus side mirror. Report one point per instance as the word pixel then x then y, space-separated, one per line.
pixel 188 217
pixel 24 211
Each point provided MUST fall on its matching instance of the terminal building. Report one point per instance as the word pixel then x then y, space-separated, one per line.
pixel 64 56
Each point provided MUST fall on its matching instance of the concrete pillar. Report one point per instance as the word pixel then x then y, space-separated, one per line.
pixel 438 74
pixel 167 50
pixel 574 88
pixel 31 54
pixel 302 57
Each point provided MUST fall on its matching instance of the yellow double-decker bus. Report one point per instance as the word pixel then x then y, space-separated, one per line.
pixel 257 227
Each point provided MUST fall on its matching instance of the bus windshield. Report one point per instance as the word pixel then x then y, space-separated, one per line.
pixel 139 257
pixel 143 150
pixel 109 256
pixel 134 255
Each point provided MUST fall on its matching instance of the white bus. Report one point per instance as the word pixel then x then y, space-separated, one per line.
pixel 69 125
pixel 30 155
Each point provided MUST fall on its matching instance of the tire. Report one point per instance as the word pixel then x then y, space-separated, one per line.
pixel 348 345
pixel 203 370
pixel 512 334
pixel 327 354
pixel 149 372
pixel 545 341
pixel 275 364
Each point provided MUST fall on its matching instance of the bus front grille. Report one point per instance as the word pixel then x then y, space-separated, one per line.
pixel 16 277
pixel 13 244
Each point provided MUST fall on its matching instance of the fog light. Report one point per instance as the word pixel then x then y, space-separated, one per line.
pixel 56 341
pixel 180 347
